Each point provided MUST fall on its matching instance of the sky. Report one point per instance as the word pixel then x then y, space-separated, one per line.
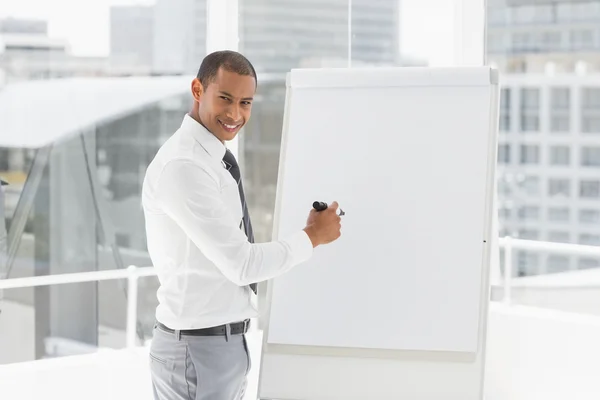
pixel 425 25
pixel 84 23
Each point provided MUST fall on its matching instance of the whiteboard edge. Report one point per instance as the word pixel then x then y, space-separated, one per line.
pixel 489 209
pixel 267 287
pixel 322 78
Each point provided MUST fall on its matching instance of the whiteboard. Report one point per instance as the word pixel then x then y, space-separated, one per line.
pixel 409 153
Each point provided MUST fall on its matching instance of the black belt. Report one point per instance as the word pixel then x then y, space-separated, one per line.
pixel 236 328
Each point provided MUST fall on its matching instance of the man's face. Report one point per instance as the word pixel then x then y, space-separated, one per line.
pixel 226 104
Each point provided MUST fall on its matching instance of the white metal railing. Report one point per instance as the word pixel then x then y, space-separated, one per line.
pixel 132 274
pixel 509 244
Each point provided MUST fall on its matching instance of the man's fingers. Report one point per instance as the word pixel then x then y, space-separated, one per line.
pixel 334 205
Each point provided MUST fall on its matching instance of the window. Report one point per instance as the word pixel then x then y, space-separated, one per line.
pixel 560 98
pixel 560 106
pixel 590 157
pixel 560 123
pixel 529 213
pixel 504 187
pixel 571 11
pixel 582 39
pixel 521 42
pixel 528 234
pixel 527 14
pixel 589 189
pixel 558 214
pixel 559 187
pixel 590 98
pixel 559 237
pixel 590 124
pixel 586 263
pixel 558 264
pixel 530 185
pixel 505 110
pixel 530 154
pixel 497 15
pixel 552 40
pixel 587 216
pixel 530 110
pixel 523 14
pixel 560 155
pixel 504 154
pixel 590 112
pixel 495 42
pixel 504 213
pixel 589 239
pixel 528 263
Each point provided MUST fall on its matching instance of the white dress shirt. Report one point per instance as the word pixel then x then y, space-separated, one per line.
pixel 202 257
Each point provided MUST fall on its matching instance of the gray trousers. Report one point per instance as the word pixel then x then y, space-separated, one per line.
pixel 198 367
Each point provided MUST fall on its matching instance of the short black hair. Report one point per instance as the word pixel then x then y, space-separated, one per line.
pixel 229 60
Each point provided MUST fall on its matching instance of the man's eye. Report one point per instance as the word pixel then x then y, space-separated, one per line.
pixel 225 98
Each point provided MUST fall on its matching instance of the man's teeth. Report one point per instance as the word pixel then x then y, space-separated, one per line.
pixel 229 126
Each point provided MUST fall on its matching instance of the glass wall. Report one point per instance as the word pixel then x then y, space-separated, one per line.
pixel 73 203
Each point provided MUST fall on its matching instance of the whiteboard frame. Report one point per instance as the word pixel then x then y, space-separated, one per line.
pixel 478 358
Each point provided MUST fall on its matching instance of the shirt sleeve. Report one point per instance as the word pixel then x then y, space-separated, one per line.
pixel 191 197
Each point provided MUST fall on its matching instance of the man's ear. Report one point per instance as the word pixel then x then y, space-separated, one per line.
pixel 197 89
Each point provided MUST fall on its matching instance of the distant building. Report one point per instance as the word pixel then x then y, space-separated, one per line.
pixel 131 37
pixel 549 163
pixel 27 53
pixel 549 146
pixel 528 35
pixel 179 42
pixel 20 26
pixel 279 35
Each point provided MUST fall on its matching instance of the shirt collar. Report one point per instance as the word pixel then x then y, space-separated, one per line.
pixel 207 140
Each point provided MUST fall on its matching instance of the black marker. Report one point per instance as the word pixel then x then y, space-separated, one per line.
pixel 320 206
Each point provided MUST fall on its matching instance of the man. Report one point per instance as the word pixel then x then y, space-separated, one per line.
pixel 201 243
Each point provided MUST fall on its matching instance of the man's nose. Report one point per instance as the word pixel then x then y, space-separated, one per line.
pixel 234 113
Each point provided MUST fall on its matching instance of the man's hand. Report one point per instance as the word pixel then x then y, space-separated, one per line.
pixel 324 227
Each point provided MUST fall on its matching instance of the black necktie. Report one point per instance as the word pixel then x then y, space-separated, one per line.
pixel 234 170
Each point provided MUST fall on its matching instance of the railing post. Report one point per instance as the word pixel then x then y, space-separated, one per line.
pixel 132 294
pixel 507 269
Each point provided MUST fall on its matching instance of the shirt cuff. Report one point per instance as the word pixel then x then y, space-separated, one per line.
pixel 302 247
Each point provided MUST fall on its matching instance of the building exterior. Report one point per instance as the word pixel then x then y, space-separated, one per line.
pixel 527 35
pixel 549 146
pixel 28 53
pixel 21 26
pixel 549 160
pixel 131 37
pixel 179 42
pixel 278 35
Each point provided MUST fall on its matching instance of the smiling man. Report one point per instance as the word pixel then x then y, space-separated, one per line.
pixel 201 243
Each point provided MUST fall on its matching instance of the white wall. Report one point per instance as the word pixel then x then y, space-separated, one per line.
pixel 542 354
